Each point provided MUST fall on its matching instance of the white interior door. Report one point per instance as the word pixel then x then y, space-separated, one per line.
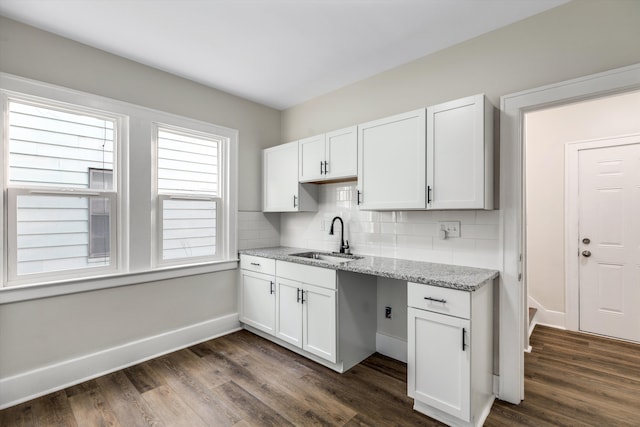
pixel 609 228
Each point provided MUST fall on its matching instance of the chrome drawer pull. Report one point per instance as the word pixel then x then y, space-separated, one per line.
pixel 257 264
pixel 443 301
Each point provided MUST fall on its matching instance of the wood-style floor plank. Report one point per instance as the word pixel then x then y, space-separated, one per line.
pixel 242 380
pixel 127 402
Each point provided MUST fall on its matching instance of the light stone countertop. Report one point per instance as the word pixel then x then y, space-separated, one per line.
pixel 443 275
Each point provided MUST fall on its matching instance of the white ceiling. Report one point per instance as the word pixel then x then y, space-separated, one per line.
pixel 275 52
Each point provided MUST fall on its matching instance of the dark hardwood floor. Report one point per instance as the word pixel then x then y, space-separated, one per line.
pixel 243 380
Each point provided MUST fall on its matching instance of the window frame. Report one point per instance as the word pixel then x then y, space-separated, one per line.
pixel 9 261
pixel 136 214
pixel 221 213
pixel 12 239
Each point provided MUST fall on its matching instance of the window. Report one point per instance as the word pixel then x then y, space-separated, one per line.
pixel 61 212
pixel 189 177
pixel 97 193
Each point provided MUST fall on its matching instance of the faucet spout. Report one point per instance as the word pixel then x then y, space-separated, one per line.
pixel 342 245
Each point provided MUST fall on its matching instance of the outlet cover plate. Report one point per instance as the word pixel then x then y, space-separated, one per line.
pixel 452 228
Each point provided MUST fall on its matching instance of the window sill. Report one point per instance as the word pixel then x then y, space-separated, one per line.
pixel 20 293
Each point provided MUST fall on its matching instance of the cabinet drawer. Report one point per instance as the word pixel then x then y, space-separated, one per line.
pixel 439 300
pixel 258 264
pixel 323 277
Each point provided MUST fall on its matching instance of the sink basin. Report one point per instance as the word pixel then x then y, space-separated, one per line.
pixel 334 258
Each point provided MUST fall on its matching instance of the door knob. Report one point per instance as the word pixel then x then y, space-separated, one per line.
pixel 586 240
pixel 586 254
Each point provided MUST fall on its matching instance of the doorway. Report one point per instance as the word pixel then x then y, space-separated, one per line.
pixel 562 283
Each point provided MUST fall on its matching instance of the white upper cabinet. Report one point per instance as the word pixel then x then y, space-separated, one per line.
pixel 392 162
pixel 460 154
pixel 281 191
pixel 329 156
pixel 311 158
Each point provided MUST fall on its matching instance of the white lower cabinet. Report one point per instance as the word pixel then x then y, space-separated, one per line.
pixel 450 353
pixel 306 317
pixel 258 293
pixel 313 311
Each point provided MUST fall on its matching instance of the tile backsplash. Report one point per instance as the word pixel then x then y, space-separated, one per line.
pixel 395 234
pixel 258 230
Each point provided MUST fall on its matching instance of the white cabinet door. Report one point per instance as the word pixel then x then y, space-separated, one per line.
pixel 258 301
pixel 460 154
pixel 341 153
pixel 392 162
pixel 319 322
pixel 439 362
pixel 281 191
pixel 289 311
pixel 311 158
pixel 280 183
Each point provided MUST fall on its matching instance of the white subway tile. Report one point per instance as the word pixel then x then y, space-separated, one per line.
pixel 479 231
pixel 488 217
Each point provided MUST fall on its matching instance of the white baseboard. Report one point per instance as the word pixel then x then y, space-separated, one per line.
pixel 556 319
pixel 392 347
pixel 38 382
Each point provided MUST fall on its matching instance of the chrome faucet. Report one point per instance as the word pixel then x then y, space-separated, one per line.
pixel 343 247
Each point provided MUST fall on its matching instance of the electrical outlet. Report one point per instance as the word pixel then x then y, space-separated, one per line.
pixel 387 312
pixel 451 228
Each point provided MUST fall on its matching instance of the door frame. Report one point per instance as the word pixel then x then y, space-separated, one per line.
pixel 572 212
pixel 513 290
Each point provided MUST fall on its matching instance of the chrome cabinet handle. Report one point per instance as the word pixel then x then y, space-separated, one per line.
pixel 358 193
pixel 586 254
pixel 321 171
pixel 326 167
pixel 295 199
pixel 257 264
pixel 443 301
pixel 298 294
pixel 271 289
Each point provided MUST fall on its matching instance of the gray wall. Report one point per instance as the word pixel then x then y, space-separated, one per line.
pixel 40 332
pixel 579 38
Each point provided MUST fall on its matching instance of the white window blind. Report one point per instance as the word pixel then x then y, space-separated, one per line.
pixel 189 199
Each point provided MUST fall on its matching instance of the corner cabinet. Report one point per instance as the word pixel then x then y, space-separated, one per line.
pixel 450 353
pixel 329 156
pixel 258 293
pixel 281 191
pixel 392 162
pixel 460 154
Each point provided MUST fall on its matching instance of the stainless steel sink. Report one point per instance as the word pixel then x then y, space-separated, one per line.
pixel 333 258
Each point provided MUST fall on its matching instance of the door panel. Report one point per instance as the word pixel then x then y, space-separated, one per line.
pixel 258 301
pixel 342 153
pixel 289 312
pixel 311 155
pixel 319 311
pixel 439 368
pixel 609 217
pixel 392 162
pixel 280 167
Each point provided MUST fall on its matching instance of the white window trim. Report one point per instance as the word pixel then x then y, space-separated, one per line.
pixel 136 266
pixel 74 103
pixel 226 212
pixel 160 262
pixel 12 236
